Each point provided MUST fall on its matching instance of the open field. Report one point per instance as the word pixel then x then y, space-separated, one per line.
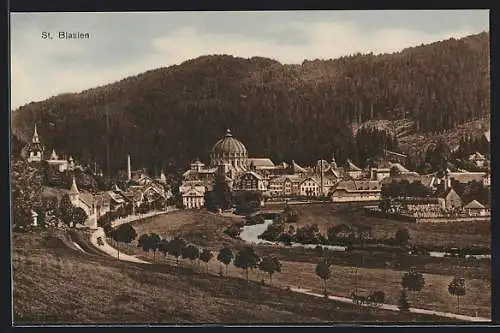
pixel 299 265
pixel 56 284
pixel 456 234
pixel 434 296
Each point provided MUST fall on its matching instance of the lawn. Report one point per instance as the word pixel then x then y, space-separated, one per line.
pixel 54 284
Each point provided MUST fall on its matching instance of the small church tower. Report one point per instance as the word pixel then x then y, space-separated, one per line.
pixel 74 194
pixel 333 163
pixel 35 149
pixel 163 179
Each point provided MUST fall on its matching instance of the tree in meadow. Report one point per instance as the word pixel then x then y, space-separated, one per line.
pixel 125 233
pixel 246 259
pixel 323 272
pixel 457 288
pixel 175 247
pixel 270 265
pixel 206 255
pixel 413 281
pixel 225 256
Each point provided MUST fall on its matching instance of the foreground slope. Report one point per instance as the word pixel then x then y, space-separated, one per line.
pixel 56 284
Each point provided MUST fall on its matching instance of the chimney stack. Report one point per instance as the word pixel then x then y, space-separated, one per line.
pixel 129 170
pixel 321 170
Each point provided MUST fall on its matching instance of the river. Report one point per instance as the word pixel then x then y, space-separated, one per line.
pixel 251 233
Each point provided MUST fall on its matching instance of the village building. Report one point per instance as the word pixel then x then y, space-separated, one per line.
pixel 449 198
pixel 487 179
pixel 475 208
pixel 351 170
pixel 192 194
pixel 285 185
pixel 478 159
pixel 250 181
pixel 351 190
pixel 34 151
pixel 310 187
pixel 56 162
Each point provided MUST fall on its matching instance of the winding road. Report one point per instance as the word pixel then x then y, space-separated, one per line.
pixel 124 257
pixel 108 249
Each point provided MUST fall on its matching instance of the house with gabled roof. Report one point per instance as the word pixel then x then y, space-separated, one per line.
pixel 310 187
pixel 250 181
pixel 193 196
pixel 475 208
pixel 351 190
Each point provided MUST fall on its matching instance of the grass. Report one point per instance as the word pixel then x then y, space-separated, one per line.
pixel 434 296
pixel 204 228
pixel 299 263
pixel 54 284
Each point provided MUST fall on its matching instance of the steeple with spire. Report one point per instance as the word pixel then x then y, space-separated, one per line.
pixel 162 177
pixel 333 163
pixel 34 150
pixel 53 156
pixel 35 139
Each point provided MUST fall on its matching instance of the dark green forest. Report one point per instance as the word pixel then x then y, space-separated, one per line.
pixel 166 117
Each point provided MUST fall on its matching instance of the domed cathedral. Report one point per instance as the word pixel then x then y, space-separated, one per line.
pixel 230 153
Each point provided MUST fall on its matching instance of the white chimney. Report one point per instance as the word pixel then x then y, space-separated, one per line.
pixel 129 170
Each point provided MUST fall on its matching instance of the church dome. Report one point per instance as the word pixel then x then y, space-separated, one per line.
pixel 227 150
pixel 229 146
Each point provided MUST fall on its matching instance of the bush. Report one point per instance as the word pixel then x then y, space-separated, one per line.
pixel 233 231
pixel 285 239
pixel 378 296
pixel 273 232
pixel 255 219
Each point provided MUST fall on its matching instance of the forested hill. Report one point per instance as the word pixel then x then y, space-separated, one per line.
pixel 168 116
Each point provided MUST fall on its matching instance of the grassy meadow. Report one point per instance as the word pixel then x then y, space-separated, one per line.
pixel 56 284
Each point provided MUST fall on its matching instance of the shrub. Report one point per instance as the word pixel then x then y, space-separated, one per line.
pixel 233 231
pixel 378 296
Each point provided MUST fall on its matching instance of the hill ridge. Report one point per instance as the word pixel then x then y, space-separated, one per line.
pixel 311 105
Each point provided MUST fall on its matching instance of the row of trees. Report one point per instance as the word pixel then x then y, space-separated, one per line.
pixel 246 258
pixel 404 188
pixel 341 234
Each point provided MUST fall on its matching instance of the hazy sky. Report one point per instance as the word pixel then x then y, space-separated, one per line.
pixel 124 44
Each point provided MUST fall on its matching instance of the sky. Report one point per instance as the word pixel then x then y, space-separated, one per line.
pixel 125 44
